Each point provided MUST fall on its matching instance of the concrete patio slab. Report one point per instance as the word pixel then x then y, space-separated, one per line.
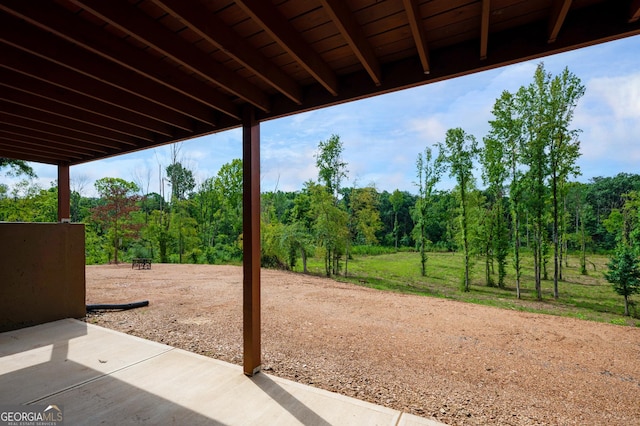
pixel 106 377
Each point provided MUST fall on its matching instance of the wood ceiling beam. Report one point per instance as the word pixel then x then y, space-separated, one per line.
pixel 559 11
pixel 145 113
pixel 37 148
pixel 20 154
pixel 85 109
pixel 134 22
pixel 59 21
pixel 343 18
pixel 53 118
pixel 634 11
pixel 484 28
pixel 24 36
pixel 38 143
pixel 283 33
pixel 52 138
pixel 71 135
pixel 418 32
pixel 78 115
pixel 211 28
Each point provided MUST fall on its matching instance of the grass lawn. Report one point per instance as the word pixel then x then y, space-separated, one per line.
pixel 588 297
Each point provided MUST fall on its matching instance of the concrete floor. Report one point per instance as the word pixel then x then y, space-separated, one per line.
pixel 100 376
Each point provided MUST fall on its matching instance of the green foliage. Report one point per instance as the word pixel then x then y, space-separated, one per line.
pixel 429 172
pixel 331 168
pixel 584 297
pixel 114 216
pixel 181 181
pixel 17 167
pixel 624 273
pixel 457 154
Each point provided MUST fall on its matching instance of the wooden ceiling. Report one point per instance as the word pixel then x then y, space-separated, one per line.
pixel 87 79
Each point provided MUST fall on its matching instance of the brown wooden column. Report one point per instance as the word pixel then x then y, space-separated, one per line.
pixel 251 241
pixel 64 193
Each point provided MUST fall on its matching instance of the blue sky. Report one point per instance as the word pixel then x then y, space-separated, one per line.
pixel 382 136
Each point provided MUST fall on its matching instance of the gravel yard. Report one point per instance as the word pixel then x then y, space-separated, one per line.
pixel 454 362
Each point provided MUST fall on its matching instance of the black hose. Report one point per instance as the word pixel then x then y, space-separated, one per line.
pixel 121 307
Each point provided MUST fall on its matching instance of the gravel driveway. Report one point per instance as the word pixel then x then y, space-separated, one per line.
pixel 455 362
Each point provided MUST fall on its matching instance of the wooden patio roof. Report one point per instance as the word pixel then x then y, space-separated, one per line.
pixel 87 79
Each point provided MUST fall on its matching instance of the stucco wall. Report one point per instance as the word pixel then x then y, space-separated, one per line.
pixel 42 276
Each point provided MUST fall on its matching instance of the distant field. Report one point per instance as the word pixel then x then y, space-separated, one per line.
pixel 588 297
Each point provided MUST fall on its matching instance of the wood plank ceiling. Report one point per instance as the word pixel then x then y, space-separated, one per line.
pixel 87 79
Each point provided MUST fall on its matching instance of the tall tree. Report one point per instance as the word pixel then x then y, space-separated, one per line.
pixel 429 172
pixel 330 227
pixel 396 200
pixel 457 154
pixel 533 107
pixel 331 171
pixel 181 180
pixel 494 158
pixel 563 93
pixel 120 200
pixel 331 167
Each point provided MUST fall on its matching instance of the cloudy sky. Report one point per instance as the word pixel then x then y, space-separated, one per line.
pixel 382 136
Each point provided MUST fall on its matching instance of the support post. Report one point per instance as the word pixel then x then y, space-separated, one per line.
pixel 64 193
pixel 251 241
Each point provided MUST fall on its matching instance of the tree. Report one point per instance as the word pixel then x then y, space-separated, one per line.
pixel 564 91
pixel 331 168
pixel 457 154
pixel 364 204
pixel 181 180
pixel 532 106
pixel 120 200
pixel 429 172
pixel 494 159
pixel 329 225
pixel 396 200
pixel 624 273
pixel 17 167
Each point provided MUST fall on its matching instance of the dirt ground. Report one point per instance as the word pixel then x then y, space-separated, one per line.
pixel 455 362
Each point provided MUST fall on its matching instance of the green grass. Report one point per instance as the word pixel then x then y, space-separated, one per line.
pixel 588 297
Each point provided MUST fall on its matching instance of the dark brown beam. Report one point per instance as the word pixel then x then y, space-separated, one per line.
pixel 418 32
pixel 251 242
pixel 69 150
pixel 21 35
pixel 634 11
pixel 71 134
pixel 134 22
pixel 61 115
pixel 66 25
pixel 21 155
pixel 211 28
pixel 82 107
pixel 49 137
pixel 484 28
pixel 282 32
pixel 64 193
pixel 343 18
pixel 559 11
pixel 22 143
pixel 29 150
pixel 137 110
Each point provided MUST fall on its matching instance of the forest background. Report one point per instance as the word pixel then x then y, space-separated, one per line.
pixel 528 204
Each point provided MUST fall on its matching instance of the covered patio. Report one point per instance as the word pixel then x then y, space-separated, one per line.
pixel 82 80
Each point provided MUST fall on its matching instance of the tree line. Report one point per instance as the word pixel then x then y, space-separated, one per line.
pixel 530 203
